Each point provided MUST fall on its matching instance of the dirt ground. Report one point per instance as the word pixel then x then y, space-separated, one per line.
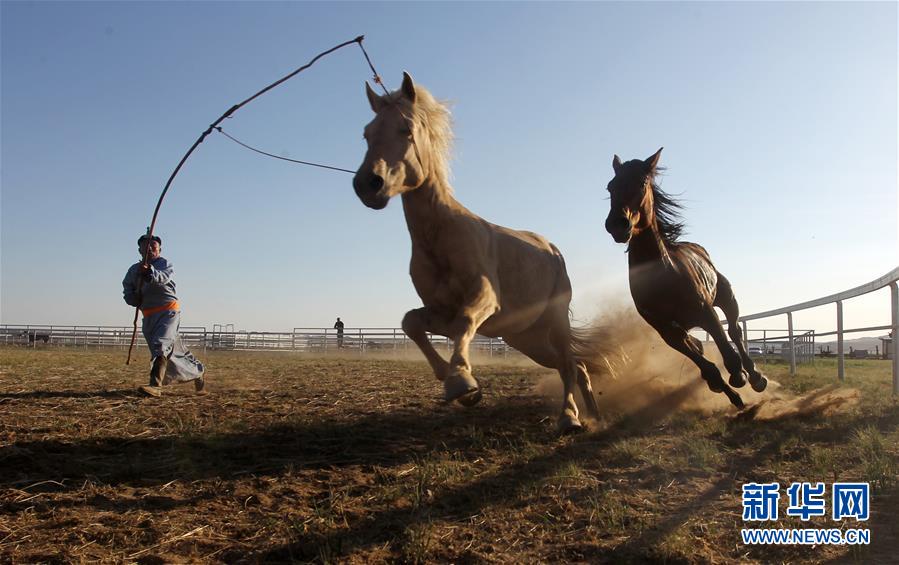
pixel 293 458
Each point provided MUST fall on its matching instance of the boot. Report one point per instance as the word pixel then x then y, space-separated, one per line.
pixel 157 376
pixel 200 385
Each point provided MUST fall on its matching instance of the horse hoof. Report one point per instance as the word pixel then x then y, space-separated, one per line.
pixel 737 380
pixel 569 424
pixel 759 384
pixel 470 399
pixel 461 387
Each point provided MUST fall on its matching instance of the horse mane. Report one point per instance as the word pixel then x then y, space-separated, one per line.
pixel 667 211
pixel 434 117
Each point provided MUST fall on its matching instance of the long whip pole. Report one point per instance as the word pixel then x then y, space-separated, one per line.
pixel 199 140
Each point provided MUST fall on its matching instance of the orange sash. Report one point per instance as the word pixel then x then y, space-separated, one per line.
pixel 157 309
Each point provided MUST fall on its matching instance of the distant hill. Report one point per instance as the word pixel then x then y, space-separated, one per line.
pixel 869 343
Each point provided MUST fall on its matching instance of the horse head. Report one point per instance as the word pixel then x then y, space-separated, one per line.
pixel 408 141
pixel 631 195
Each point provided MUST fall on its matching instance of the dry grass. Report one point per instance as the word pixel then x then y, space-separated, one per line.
pixel 299 459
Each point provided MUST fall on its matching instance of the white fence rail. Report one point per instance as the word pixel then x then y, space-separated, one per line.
pixel 890 279
pixel 318 340
pixel 85 336
pixel 796 345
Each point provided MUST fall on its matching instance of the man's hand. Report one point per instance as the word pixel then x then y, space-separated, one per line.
pixel 145 271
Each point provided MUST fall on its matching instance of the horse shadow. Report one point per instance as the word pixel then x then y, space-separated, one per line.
pixel 375 439
pixel 504 487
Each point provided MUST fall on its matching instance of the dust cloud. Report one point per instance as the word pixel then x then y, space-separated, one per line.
pixel 411 353
pixel 654 381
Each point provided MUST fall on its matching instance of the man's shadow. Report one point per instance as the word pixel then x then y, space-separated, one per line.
pixel 38 394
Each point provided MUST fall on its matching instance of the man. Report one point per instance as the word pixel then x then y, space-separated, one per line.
pixel 152 288
pixel 338 325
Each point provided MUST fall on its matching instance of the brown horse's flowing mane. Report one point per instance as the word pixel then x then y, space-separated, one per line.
pixel 667 211
pixel 674 284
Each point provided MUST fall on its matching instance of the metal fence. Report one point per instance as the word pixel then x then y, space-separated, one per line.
pixel 86 336
pixel 795 346
pixel 223 337
pixel 383 339
pixel 798 342
pixel 776 344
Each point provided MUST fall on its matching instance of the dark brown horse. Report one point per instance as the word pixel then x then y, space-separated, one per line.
pixel 674 284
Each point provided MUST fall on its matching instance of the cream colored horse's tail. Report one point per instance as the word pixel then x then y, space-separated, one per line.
pixel 595 346
pixel 592 345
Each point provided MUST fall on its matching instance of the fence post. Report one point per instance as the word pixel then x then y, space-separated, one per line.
pixel 745 336
pixel 792 343
pixel 812 348
pixel 894 300
pixel 841 362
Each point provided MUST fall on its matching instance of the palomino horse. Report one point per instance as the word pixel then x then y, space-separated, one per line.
pixel 674 284
pixel 472 276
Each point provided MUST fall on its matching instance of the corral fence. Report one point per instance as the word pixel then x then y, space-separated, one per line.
pixel 776 344
pixel 794 346
pixel 383 339
pixel 223 337
pixel 87 336
pixel 797 343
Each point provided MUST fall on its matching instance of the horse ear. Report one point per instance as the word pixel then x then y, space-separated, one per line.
pixel 373 99
pixel 408 87
pixel 654 159
pixel 616 163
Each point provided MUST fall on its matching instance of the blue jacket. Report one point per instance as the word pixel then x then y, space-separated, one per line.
pixel 156 290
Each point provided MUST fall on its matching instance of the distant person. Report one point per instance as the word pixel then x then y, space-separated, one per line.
pixel 152 289
pixel 338 325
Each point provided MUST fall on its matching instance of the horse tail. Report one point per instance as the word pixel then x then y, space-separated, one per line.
pixel 592 345
pixel 596 347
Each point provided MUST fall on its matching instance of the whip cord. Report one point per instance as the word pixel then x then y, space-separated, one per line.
pixel 209 130
pixel 242 144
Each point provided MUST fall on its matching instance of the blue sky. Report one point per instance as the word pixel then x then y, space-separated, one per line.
pixel 779 122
